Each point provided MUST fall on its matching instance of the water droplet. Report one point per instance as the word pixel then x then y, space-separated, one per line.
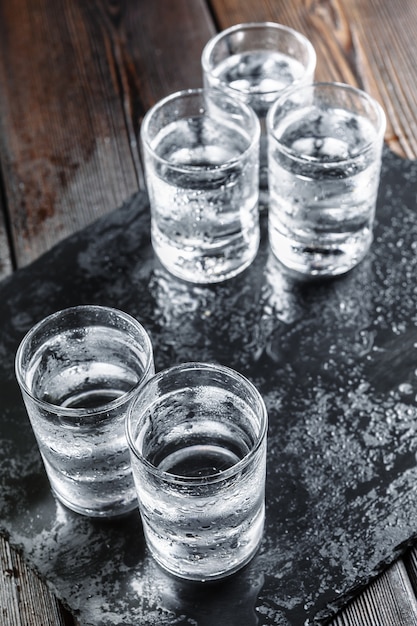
pixel 405 388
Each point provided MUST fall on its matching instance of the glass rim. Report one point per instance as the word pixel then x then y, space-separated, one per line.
pixel 208 68
pixel 198 92
pixel 79 411
pixel 170 477
pixel 380 126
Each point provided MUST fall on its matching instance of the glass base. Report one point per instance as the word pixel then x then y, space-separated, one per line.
pixel 321 260
pixel 209 578
pixel 204 563
pixel 110 510
pixel 207 267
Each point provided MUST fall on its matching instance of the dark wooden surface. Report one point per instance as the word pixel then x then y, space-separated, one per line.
pixel 77 76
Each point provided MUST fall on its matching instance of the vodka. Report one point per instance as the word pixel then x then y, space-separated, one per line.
pixel 323 177
pixel 81 433
pixel 219 527
pixel 204 198
pixel 197 433
pixel 258 77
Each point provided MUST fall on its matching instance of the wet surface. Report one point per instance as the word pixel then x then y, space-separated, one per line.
pixel 336 362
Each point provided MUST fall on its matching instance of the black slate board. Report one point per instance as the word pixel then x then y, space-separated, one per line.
pixel 336 362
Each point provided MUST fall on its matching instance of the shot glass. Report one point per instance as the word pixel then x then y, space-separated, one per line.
pixel 325 145
pixel 197 436
pixel 255 62
pixel 78 371
pixel 201 162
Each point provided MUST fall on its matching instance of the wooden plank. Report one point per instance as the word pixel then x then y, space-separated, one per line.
pixel 365 43
pixel 24 599
pixel 76 79
pixel 411 566
pixel 6 264
pixel 388 601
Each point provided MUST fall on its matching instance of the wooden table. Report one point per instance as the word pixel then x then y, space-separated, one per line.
pixel 76 78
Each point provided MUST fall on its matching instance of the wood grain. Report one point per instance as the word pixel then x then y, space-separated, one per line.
pixel 387 601
pixel 24 598
pixel 366 43
pixel 63 164
pixel 6 264
pixel 76 80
